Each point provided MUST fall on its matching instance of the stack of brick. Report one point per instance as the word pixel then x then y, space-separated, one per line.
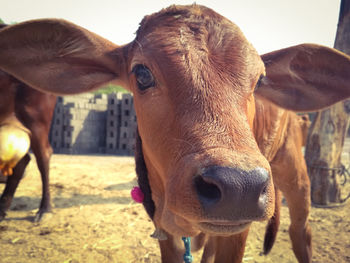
pixel 128 125
pixel 79 124
pixel 113 123
pixel 121 124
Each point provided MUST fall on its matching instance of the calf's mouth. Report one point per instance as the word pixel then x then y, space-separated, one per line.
pixel 223 227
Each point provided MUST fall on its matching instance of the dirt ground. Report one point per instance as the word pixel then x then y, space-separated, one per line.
pixel 95 220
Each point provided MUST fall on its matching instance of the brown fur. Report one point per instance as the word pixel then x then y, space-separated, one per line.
pixel 34 110
pixel 200 112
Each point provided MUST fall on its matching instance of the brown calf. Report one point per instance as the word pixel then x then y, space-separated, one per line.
pixel 31 111
pixel 213 143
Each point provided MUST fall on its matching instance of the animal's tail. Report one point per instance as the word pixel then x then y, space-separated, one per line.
pixel 273 224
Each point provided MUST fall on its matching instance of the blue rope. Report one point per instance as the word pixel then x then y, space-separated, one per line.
pixel 187 256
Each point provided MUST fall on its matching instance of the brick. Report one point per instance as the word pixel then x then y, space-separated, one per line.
pixel 94 123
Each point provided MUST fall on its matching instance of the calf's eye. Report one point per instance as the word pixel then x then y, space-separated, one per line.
pixel 144 77
pixel 262 76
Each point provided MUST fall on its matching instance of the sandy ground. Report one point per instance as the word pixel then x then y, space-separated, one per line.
pixel 95 220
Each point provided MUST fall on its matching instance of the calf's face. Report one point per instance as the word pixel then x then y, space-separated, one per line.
pixel 193 76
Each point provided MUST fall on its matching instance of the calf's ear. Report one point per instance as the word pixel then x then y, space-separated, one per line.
pixel 306 77
pixel 56 56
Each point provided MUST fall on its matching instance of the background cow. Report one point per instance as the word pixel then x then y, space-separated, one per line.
pixel 213 143
pixel 33 111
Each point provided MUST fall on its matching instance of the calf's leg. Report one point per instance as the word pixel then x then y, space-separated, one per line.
pixel 290 175
pixel 299 230
pixel 11 185
pixel 172 249
pixel 225 249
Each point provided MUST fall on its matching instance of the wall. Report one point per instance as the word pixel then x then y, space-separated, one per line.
pixel 94 123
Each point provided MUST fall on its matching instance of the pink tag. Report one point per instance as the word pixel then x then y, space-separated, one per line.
pixel 137 195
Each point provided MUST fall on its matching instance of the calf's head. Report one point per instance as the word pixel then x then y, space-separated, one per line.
pixel 194 77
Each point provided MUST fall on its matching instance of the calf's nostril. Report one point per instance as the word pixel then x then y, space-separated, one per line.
pixel 263 196
pixel 207 191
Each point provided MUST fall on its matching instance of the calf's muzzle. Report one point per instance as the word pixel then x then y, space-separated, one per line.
pixel 232 194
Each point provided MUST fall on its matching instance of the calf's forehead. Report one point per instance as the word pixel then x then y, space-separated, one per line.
pixel 195 42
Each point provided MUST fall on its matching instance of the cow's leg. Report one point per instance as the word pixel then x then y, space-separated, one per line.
pixel 42 150
pixel 290 176
pixel 11 185
pixel 172 249
pixel 225 249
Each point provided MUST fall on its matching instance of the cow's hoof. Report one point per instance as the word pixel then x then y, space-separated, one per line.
pixel 42 216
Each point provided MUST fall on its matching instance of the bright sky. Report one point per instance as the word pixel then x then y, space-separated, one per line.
pixel 268 24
